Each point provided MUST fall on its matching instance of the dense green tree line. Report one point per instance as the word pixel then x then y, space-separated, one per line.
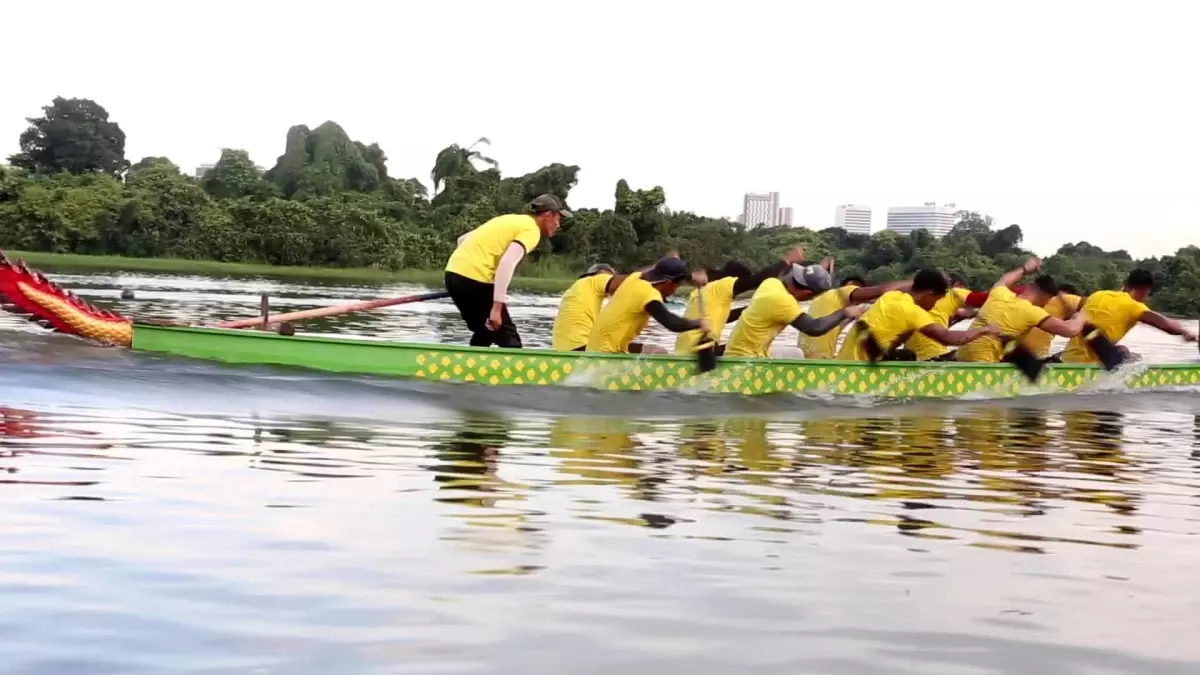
pixel 329 201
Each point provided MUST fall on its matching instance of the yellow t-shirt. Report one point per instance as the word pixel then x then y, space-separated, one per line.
pixel 1014 315
pixel 718 302
pixel 577 311
pixel 485 245
pixel 771 309
pixel 624 317
pixel 926 348
pixel 1115 313
pixel 1037 340
pixel 894 315
pixel 825 346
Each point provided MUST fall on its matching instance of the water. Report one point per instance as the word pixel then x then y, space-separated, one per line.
pixel 171 516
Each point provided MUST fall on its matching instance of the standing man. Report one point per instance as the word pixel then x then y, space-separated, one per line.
pixel 481 268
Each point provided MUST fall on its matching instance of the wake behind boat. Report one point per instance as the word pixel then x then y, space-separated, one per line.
pixel 30 293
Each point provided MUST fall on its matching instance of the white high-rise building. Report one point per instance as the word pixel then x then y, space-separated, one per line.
pixel 853 218
pixel 937 220
pixel 761 209
pixel 786 216
pixel 203 169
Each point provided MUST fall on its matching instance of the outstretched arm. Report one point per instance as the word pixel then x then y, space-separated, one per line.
pixel 869 293
pixel 1166 325
pixel 954 338
pixel 1069 328
pixel 1028 267
pixel 810 326
pixel 670 321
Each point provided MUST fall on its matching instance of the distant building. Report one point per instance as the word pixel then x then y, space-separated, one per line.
pixel 761 209
pixel 786 216
pixel 937 220
pixel 203 169
pixel 853 218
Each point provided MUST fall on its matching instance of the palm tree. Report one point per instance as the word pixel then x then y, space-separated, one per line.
pixel 456 160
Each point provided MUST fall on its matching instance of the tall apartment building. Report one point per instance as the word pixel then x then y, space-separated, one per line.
pixel 761 208
pixel 938 220
pixel 853 218
pixel 786 216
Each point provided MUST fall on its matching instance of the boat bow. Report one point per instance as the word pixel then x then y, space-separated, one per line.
pixel 27 292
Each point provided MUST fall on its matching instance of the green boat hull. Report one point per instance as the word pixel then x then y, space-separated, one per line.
pixel 622 372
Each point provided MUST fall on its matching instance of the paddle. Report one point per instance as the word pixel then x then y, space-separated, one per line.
pixel 706 348
pixel 332 311
pixel 1111 357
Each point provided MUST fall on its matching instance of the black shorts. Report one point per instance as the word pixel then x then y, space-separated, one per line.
pixel 474 302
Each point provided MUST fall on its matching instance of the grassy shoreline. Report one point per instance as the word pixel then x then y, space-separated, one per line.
pixel 98 263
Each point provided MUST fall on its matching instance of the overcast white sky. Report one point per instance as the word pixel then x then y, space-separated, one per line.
pixel 1077 120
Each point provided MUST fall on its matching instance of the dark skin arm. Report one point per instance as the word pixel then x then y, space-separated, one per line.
pixel 954 338
pixel 735 314
pixel 810 326
pixel 1169 326
pixel 670 321
pixel 868 293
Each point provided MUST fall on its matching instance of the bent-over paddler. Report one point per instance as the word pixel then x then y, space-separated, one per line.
pixel 481 268
pixel 776 305
pixel 1017 314
pixel 897 315
pixel 1115 313
pixel 1062 306
pixel 725 284
pixel 641 296
pixel 853 291
pixel 948 311
pixel 581 303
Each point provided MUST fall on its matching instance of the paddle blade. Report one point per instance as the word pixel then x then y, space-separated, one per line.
pixel 1111 356
pixel 1024 360
pixel 706 355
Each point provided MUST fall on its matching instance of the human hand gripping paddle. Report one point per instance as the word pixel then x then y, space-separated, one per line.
pixel 706 348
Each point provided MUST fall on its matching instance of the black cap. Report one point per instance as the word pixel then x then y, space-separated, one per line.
pixel 666 269
pixel 549 202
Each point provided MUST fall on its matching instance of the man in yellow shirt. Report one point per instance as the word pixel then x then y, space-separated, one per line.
pixel 481 268
pixel 1115 313
pixel 853 291
pixel 776 305
pixel 897 315
pixel 948 311
pixel 725 284
pixel 642 295
pixel 580 304
pixel 1016 315
pixel 1062 306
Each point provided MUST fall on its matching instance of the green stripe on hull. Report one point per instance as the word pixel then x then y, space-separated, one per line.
pixel 621 372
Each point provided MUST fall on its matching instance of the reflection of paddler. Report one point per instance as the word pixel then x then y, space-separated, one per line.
pixel 776 305
pixel 725 284
pixel 897 315
pixel 599 450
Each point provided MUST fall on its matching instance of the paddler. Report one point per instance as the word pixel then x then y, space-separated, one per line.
pixel 1062 306
pixel 897 315
pixel 1017 314
pixel 725 284
pixel 481 268
pixel 1115 313
pixel 776 305
pixel 951 309
pixel 641 296
pixel 853 291
pixel 580 304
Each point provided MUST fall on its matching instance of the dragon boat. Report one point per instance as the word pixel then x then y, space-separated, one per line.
pixel 30 293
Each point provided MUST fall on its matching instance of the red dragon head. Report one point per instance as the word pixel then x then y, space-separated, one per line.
pixel 29 293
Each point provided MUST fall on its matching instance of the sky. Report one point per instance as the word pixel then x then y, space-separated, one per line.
pixel 1075 120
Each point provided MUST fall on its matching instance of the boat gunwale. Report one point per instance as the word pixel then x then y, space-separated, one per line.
pixel 250 333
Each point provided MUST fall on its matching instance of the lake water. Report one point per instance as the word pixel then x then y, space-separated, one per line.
pixel 162 515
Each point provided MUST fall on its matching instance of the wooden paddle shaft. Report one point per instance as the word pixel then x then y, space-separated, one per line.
pixel 321 312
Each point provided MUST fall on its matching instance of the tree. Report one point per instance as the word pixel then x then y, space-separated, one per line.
pixel 235 175
pixel 455 160
pixel 74 136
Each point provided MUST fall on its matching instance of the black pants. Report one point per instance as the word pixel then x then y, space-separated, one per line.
pixel 474 302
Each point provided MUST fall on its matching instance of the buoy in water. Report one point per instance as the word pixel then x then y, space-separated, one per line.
pixel 127 294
